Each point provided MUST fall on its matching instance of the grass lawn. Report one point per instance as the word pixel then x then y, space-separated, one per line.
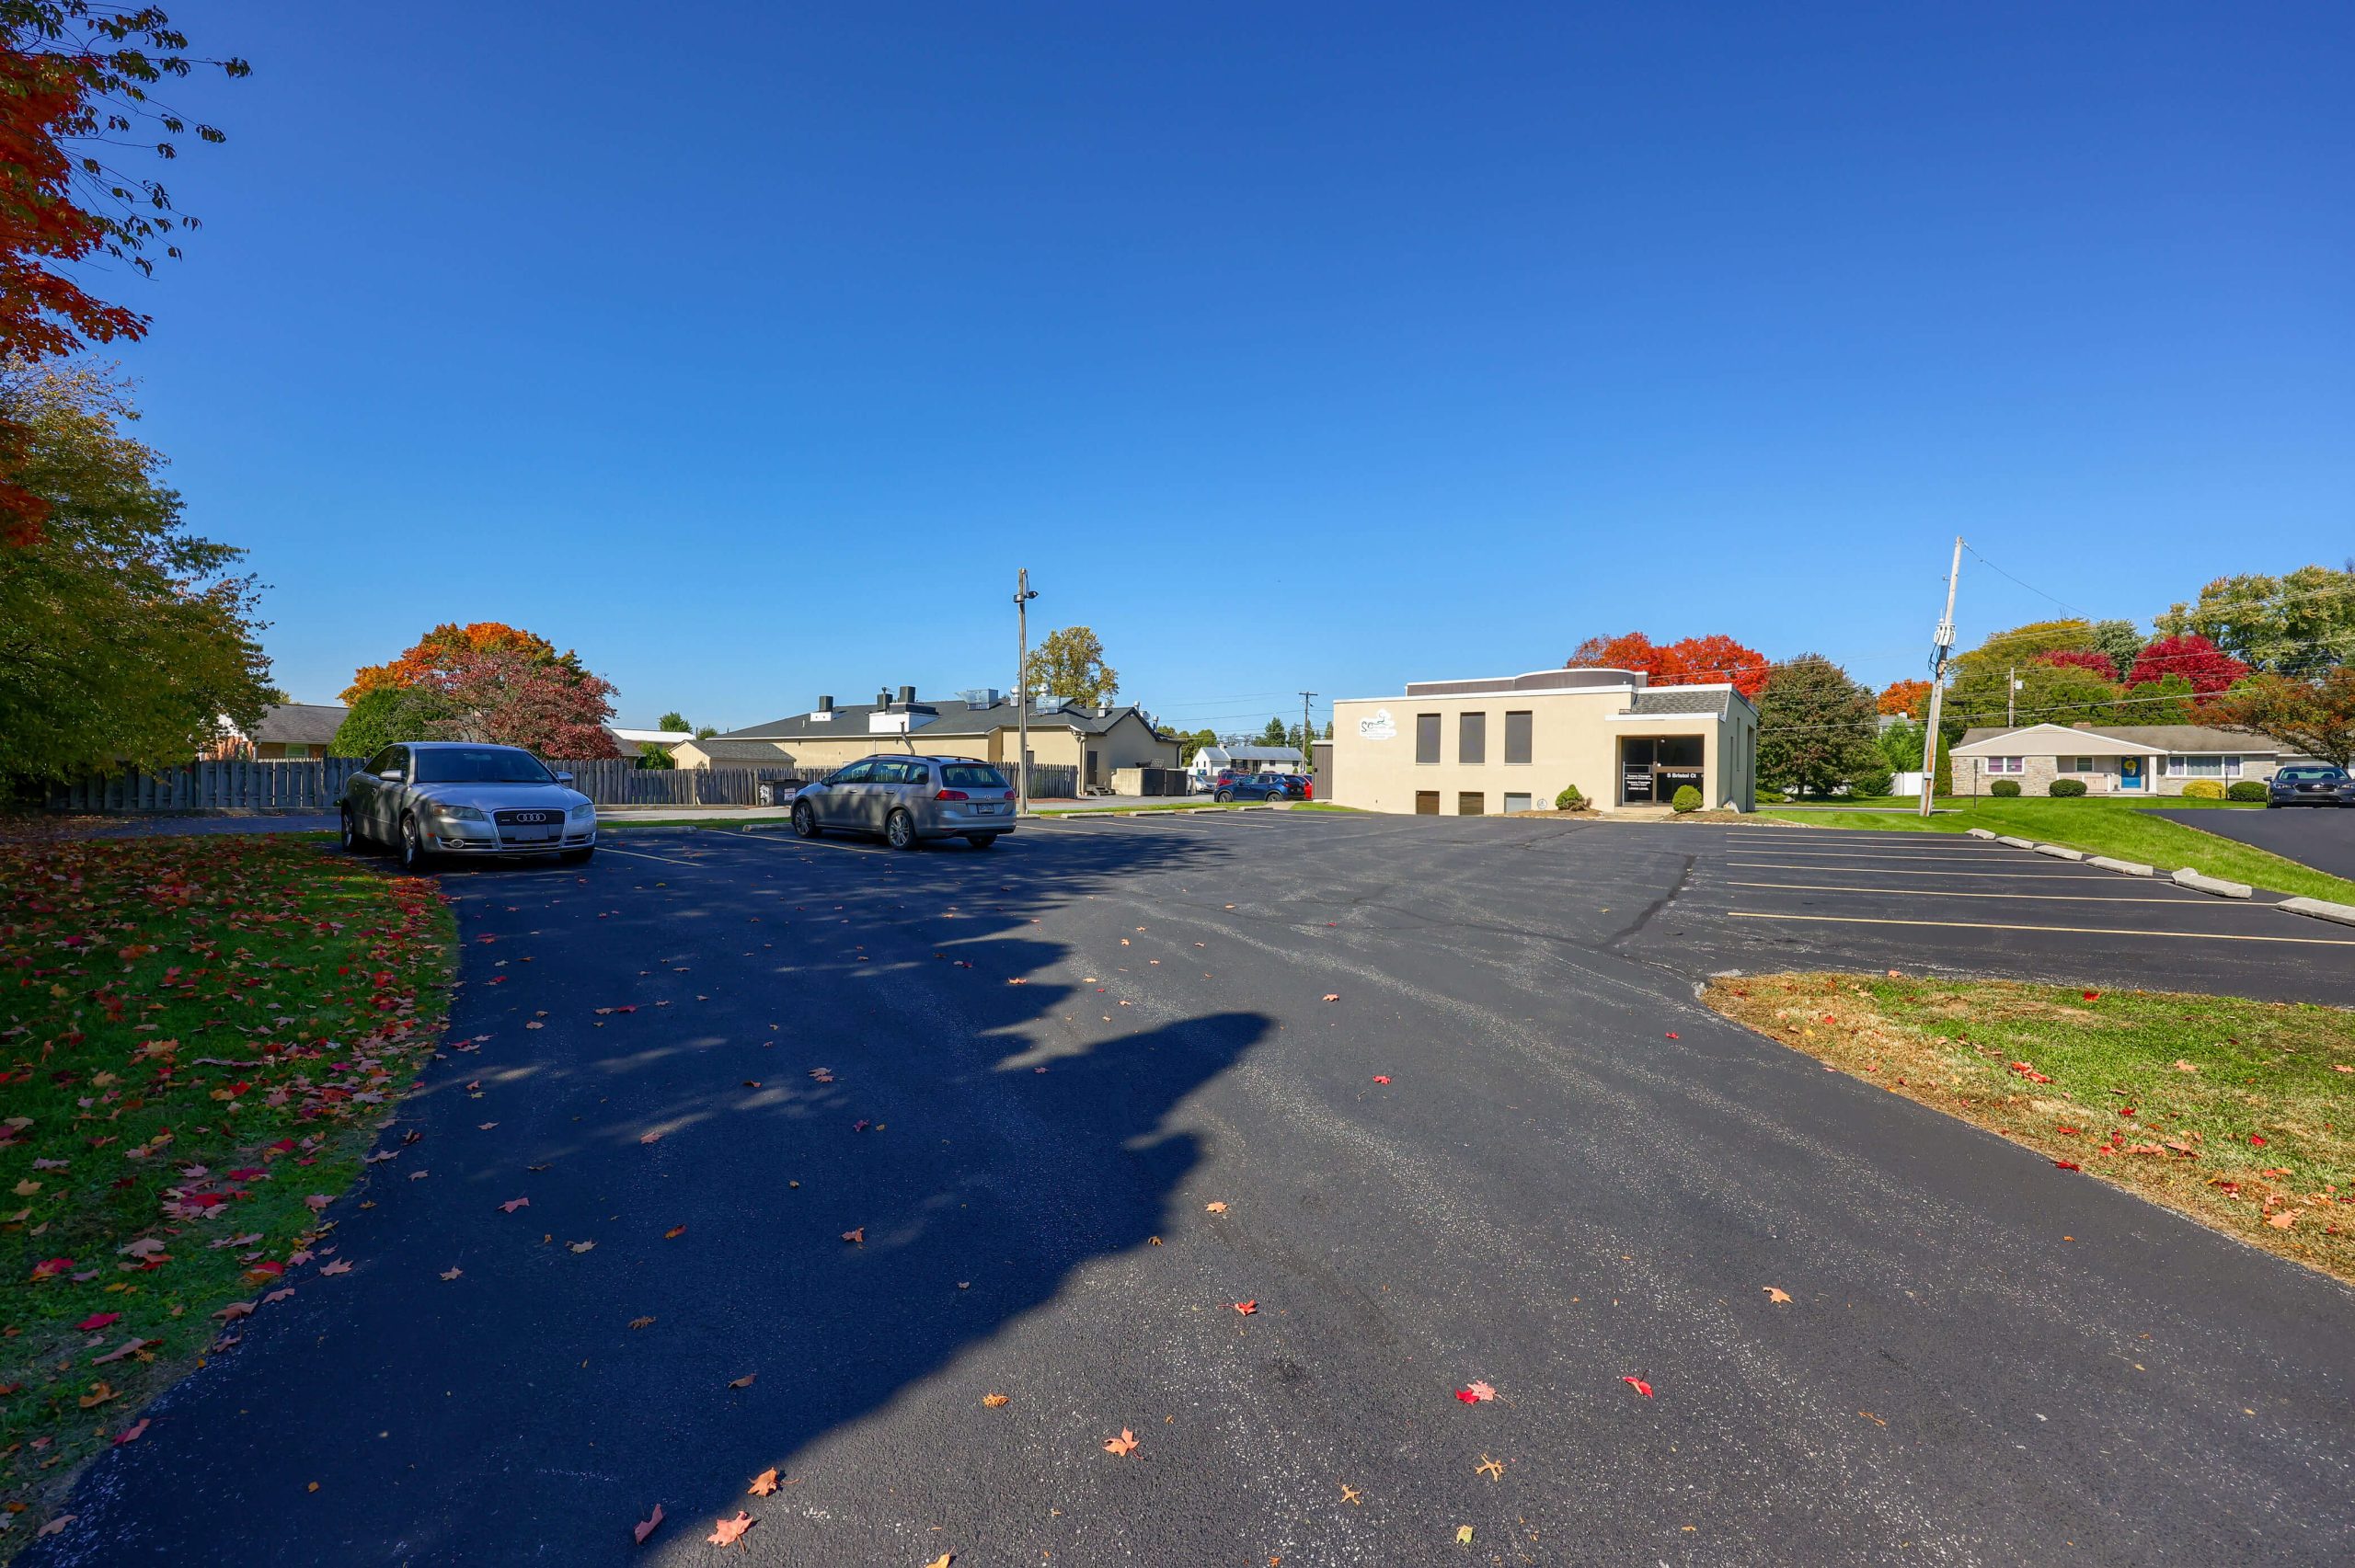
pixel 2122 829
pixel 2238 1113
pixel 200 1036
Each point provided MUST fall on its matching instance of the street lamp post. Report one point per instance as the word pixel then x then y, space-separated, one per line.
pixel 1023 594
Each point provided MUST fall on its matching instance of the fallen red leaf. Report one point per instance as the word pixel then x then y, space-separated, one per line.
pixel 2256 1141
pixel 1638 1384
pixel 131 1433
pixel 513 1204
pixel 727 1532
pixel 1381 1077
pixel 2066 1165
pixel 645 1526
pixel 675 1232
pixel 96 1321
pixel 1247 1308
pixel 1672 1034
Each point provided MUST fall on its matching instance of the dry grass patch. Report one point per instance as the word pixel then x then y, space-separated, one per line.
pixel 2239 1114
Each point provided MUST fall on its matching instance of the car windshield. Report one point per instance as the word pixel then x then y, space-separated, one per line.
pixel 479 764
pixel 2294 773
pixel 971 775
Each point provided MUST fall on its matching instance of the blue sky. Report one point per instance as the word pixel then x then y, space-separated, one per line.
pixel 1289 346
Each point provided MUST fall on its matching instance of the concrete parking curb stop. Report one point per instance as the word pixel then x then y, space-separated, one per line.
pixel 2200 882
pixel 2321 909
pixel 2060 851
pixel 1981 832
pixel 2016 844
pixel 2130 868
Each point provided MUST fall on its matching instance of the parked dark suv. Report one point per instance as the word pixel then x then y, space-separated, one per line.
pixel 2311 784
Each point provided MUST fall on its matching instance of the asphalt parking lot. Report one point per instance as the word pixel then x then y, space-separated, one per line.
pixel 2310 835
pixel 857 1139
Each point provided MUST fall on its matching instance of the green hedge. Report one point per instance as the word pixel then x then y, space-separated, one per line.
pixel 2005 789
pixel 2246 789
pixel 1569 799
pixel 2066 789
pixel 2203 789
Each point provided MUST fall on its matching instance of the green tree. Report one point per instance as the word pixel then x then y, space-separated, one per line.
pixel 2169 701
pixel 386 715
pixel 1900 746
pixel 1070 664
pixel 2020 645
pixel 2296 624
pixel 1275 734
pixel 1190 746
pixel 123 638
pixel 2049 693
pixel 653 757
pixel 674 721
pixel 2118 641
pixel 1815 727
pixel 2315 717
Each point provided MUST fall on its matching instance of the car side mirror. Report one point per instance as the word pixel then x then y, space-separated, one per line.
pixel 390 775
pixel 564 778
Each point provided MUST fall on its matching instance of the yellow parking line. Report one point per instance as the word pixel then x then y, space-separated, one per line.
pixel 2031 872
pixel 1963 893
pixel 2064 930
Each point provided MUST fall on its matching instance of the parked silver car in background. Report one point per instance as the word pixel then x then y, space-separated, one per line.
pixel 434 798
pixel 910 799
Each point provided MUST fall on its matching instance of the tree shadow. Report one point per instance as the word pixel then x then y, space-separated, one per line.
pixel 546 1397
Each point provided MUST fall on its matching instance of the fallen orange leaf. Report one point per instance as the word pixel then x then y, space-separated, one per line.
pixel 727 1532
pixel 1779 1297
pixel 744 1382
pixel 1121 1446
pixel 338 1266
pixel 1215 1208
pixel 675 1232
pixel 764 1483
pixel 993 1401
pixel 857 1237
pixel 99 1393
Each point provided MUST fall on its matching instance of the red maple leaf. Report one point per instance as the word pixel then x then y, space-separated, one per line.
pixel 1247 1308
pixel 1638 1384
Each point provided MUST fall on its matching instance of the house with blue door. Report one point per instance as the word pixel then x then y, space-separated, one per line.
pixel 2113 759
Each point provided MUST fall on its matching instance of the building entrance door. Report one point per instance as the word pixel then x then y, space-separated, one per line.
pixel 1653 768
pixel 2129 772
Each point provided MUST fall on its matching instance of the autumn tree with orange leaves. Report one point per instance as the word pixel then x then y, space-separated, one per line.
pixel 1906 699
pixel 1689 661
pixel 77 82
pixel 486 680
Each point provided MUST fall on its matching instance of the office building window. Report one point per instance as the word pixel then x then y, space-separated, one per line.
pixel 1427 740
pixel 1516 737
pixel 1472 738
pixel 1470 803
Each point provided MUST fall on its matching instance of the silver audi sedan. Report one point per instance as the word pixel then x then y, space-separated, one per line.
pixel 908 800
pixel 435 798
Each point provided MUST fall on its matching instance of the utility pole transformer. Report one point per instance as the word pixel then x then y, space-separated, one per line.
pixel 1023 595
pixel 1940 648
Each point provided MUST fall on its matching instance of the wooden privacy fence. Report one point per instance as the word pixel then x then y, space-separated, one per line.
pixel 317 787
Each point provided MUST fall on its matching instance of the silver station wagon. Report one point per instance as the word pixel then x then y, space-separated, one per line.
pixel 455 797
pixel 910 799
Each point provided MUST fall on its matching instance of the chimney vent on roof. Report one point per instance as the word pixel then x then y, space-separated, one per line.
pixel 825 705
pixel 883 696
pixel 907 695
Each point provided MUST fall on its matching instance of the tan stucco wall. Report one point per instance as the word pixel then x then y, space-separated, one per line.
pixel 1573 739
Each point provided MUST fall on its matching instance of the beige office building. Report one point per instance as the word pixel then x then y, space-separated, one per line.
pixel 1493 747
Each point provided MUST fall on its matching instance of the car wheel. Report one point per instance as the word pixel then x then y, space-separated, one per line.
pixel 1224 797
pixel 415 856
pixel 354 841
pixel 579 857
pixel 805 821
pixel 981 841
pixel 899 829
pixel 2273 805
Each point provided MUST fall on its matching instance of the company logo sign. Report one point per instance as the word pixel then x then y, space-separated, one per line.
pixel 1378 725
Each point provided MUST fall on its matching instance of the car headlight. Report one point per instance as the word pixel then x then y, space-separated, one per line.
pixel 459 813
pixel 585 812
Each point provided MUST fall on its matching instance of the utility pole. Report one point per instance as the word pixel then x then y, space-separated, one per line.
pixel 1940 647
pixel 1023 594
pixel 2012 697
pixel 1307 732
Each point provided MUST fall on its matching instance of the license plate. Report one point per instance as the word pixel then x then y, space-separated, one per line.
pixel 987 810
pixel 529 835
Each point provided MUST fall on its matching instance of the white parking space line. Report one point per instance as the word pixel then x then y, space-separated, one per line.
pixel 847 848
pixel 2061 930
pixel 1960 857
pixel 641 854
pixel 2030 875
pixel 2181 900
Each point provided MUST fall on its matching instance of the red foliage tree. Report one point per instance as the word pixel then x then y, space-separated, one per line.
pixel 445 646
pixel 2100 664
pixel 1905 698
pixel 505 695
pixel 76 80
pixel 1689 661
pixel 2208 668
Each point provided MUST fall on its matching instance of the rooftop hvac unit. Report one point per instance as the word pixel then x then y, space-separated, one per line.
pixel 980 697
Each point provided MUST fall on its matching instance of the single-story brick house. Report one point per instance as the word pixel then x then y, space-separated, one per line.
pixel 2113 759
pixel 980 724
